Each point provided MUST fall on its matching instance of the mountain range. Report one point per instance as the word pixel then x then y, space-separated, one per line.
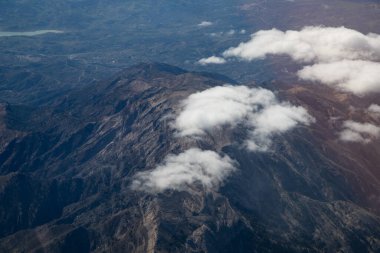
pixel 67 170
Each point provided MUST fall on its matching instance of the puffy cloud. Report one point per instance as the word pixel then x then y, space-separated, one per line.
pixel 231 32
pixel 311 44
pixel 218 106
pixel 359 77
pixel 205 24
pixel 212 60
pixel 275 119
pixel 359 132
pixel 375 109
pixel 256 108
pixel 179 172
pixel 343 58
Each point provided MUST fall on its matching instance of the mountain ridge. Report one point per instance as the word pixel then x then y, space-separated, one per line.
pixel 69 178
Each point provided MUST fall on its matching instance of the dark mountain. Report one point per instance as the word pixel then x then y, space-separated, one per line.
pixel 66 171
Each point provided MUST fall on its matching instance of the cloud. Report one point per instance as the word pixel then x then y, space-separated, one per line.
pixel 205 24
pixel 231 32
pixel 275 119
pixel 359 132
pixel 340 57
pixel 256 108
pixel 212 60
pixel 226 34
pixel 216 34
pixel 218 106
pixel 359 77
pixel 179 172
pixel 311 44
pixel 375 109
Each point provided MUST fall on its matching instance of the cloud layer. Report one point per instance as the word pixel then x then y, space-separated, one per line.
pixel 359 132
pixel 342 58
pixel 256 108
pixel 179 172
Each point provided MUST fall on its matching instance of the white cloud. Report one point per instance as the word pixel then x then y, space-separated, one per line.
pixel 216 34
pixel 256 108
pixel 374 108
pixel 342 58
pixel 275 119
pixel 359 132
pixel 311 44
pixel 359 77
pixel 205 24
pixel 179 172
pixel 212 60
pixel 226 34
pixel 231 32
pixel 218 106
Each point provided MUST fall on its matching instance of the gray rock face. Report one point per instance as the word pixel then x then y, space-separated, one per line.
pixel 66 171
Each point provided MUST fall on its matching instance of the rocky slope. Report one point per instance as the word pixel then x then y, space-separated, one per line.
pixel 66 171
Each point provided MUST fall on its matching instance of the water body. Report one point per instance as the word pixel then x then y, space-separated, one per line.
pixel 31 33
